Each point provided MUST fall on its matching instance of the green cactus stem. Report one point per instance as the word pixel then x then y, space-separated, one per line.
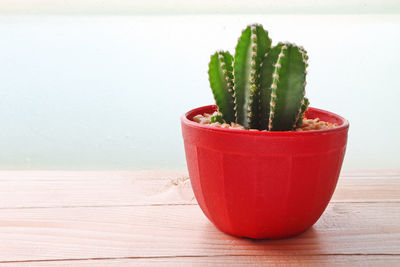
pixel 267 69
pixel 217 118
pixel 304 105
pixel 221 82
pixel 287 88
pixel 250 50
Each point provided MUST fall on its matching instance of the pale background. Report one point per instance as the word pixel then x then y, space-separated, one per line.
pixel 102 86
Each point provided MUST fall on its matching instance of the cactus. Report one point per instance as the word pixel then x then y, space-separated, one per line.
pixel 265 88
pixel 220 76
pixel 250 51
pixel 266 78
pixel 304 105
pixel 217 118
pixel 287 89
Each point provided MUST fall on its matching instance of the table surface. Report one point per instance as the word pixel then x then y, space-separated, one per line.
pixel 115 218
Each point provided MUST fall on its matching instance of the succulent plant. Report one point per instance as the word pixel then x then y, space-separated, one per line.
pixel 261 87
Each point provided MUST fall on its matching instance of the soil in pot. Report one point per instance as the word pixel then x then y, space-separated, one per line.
pixel 307 124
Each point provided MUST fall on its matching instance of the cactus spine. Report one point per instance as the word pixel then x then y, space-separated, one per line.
pixel 265 88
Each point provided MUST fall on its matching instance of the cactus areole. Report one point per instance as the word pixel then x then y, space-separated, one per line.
pixel 261 87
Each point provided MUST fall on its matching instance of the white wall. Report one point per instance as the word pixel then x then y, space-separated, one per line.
pixel 106 92
pixel 140 7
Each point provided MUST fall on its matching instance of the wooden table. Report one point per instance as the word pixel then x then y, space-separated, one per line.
pixel 59 218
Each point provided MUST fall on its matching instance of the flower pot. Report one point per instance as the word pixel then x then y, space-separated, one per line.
pixel 261 184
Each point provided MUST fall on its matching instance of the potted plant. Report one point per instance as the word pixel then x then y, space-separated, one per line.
pixel 260 174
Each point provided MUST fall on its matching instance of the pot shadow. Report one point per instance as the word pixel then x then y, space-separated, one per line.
pixel 309 242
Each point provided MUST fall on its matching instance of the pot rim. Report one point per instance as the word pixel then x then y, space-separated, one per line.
pixel 342 127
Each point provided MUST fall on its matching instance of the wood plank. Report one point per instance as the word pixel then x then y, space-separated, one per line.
pixel 372 173
pixel 73 189
pixel 368 189
pixel 183 231
pixel 64 189
pixel 287 260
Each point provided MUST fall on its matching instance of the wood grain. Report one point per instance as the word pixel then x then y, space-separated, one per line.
pixel 66 189
pixel 288 260
pixel 150 218
pixel 170 231
pixel 82 189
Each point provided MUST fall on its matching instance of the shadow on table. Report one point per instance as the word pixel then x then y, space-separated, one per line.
pixel 309 242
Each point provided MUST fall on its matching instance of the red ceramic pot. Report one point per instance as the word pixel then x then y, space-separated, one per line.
pixel 261 184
